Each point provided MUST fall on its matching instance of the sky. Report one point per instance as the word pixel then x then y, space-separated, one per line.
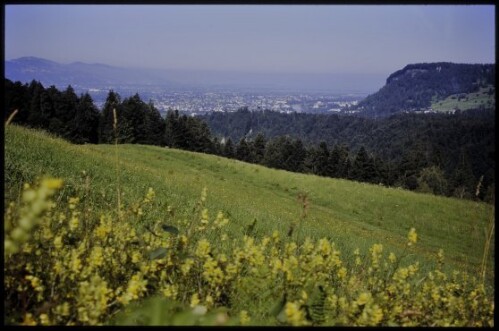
pixel 356 39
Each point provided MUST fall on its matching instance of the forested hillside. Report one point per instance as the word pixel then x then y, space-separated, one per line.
pixel 445 154
pixel 409 143
pixel 416 86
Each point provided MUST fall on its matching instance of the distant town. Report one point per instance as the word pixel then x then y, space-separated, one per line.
pixel 196 102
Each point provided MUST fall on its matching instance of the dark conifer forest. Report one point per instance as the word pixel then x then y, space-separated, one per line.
pixel 444 154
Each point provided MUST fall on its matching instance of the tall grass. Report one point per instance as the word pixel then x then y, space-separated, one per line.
pixel 118 192
pixel 60 273
pixel 352 214
pixel 11 116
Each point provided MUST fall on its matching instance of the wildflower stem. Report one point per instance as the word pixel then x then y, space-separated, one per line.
pixel 487 247
pixel 11 117
pixel 115 127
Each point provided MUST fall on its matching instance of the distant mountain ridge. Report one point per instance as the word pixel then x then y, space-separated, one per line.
pixel 79 74
pixel 84 75
pixel 417 86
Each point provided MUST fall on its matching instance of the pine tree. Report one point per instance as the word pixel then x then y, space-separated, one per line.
pixel 298 154
pixel 171 125
pixel 154 126
pixel 243 151
pixel 310 161
pixel 283 153
pixel 228 149
pixel 106 119
pixel 86 122
pixel 182 135
pixel 463 181
pixel 217 146
pixel 432 180
pixel 364 168
pixel 334 162
pixel 35 117
pixel 323 160
pixel 64 105
pixel 258 148
pixel 132 129
pixel 16 97
pixel 360 165
pixel 203 136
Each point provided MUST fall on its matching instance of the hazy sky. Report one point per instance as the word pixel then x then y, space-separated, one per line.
pixel 257 38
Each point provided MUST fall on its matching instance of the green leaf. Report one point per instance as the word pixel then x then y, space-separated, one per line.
pixel 250 228
pixel 282 316
pixel 158 253
pixel 169 228
pixel 278 306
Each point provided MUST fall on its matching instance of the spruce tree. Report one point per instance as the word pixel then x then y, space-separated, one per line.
pixel 258 148
pixel 323 160
pixel 84 126
pixel 171 125
pixel 154 126
pixel 106 119
pixel 243 151
pixel 360 165
pixel 228 149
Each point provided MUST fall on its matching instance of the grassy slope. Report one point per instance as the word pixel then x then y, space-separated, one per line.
pixel 471 101
pixel 352 214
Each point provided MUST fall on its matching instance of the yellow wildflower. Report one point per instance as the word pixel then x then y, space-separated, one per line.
pixel 294 314
pixel 44 319
pixel 324 247
pixel 170 291
pixel 212 273
pixel 194 300
pixel 376 251
pixel 204 217
pixel 342 273
pixel 244 317
pixel 36 283
pixel 186 266
pixel 203 248
pixel 136 286
pixel 203 194
pixel 412 237
pixel 73 223
pixel 51 183
pixel 149 196
pixel 75 263
pixel 275 236
pixel 136 257
pixel 363 298
pixel 96 258
pixel 73 202
pixel 209 300
pixel 376 315
pixel 28 320
pixel 183 239
pixel 58 242
pixel 63 309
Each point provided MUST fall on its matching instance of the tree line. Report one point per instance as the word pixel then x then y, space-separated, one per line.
pixel 453 146
pixel 76 119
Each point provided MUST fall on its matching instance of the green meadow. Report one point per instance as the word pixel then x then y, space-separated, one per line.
pixel 353 215
pixel 474 100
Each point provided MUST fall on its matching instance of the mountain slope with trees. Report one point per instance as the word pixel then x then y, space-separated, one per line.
pixel 402 144
pixel 416 86
pixel 447 154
